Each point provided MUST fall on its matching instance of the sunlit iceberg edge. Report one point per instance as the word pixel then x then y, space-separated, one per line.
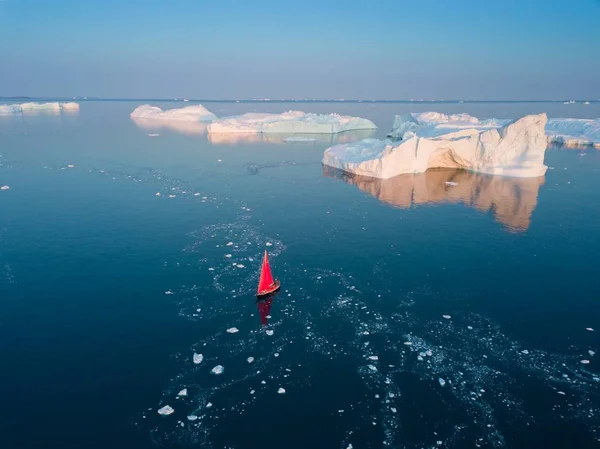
pixel 38 108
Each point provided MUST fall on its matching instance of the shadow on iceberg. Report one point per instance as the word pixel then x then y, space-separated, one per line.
pixel 216 138
pixel 512 200
pixel 182 127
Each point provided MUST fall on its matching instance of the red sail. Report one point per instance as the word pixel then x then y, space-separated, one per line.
pixel 266 278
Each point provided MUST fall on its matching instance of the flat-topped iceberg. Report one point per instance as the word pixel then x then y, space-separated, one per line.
pixel 195 113
pixel 568 132
pixel 291 122
pixel 32 108
pixel 515 149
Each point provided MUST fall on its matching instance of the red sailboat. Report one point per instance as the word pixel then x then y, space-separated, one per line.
pixel 266 285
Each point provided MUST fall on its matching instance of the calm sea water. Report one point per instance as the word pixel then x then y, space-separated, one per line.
pixel 412 315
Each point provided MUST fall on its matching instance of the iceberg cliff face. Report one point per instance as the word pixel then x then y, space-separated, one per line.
pixel 291 122
pixel 32 108
pixel 516 149
pixel 568 132
pixel 195 113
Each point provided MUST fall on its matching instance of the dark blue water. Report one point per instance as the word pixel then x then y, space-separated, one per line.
pixel 92 345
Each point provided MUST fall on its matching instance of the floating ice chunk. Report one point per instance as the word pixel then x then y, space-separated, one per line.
pixel 269 332
pixel 196 194
pixel 252 391
pixel 70 166
pixel 209 405
pixel 373 357
pixel 276 354
pixel 589 329
pixel 269 244
pixel 166 410
pixel 5 188
pixel 195 113
pixel 442 382
pixel 172 196
pixel 561 392
pixel 229 244
pixel 168 292
pixel 350 446
pixel 153 135
pixel 585 362
pixel 470 328
pixel 451 183
pixel 239 265
pixel 233 330
pixel 393 410
pixel 590 352
pixel 525 351
pixel 446 317
pixel 198 358
pixel 516 149
pixel 217 370
pixel 281 391
pixel 250 359
pixel 183 392
pixel 157 193
pixel 192 417
pixel 228 256
pixel 408 343
pixel 263 382
pixel 372 367
pixel 291 122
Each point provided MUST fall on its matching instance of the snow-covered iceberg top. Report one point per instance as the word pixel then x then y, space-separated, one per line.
pixel 569 132
pixel 515 149
pixel 291 122
pixel 511 200
pixel 25 108
pixel 194 113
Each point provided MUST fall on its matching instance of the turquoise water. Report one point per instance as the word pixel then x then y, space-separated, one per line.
pixel 107 291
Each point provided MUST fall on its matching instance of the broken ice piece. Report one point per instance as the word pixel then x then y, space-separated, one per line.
pixel 168 292
pixel 372 367
pixel 192 418
pixel 269 244
pixel 585 362
pixel 182 392
pixel 525 351
pixel 229 243
pixel 281 391
pixel 209 405
pixel 5 188
pixel 166 410
pixel 442 381
pixel 217 370
pixel 269 332
pixel 408 343
pixel 250 359
pixel 589 329
pixel 252 392
pixel 446 317
pixel 232 330
pixel 198 358
pixel 239 265
pixel 590 352
pixel 373 357
pixel 157 193
pixel 228 256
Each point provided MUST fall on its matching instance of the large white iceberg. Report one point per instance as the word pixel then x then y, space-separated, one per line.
pixel 31 108
pixel 568 132
pixel 195 113
pixel 291 122
pixel 515 149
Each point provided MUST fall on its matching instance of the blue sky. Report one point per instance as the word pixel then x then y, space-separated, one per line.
pixel 228 49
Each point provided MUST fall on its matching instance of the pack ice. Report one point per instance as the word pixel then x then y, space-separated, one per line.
pixel 195 113
pixel 568 132
pixel 25 108
pixel 291 122
pixel 516 149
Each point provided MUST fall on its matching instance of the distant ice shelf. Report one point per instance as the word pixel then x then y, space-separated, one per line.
pixel 291 122
pixel 567 132
pixel 33 108
pixel 515 148
pixel 195 113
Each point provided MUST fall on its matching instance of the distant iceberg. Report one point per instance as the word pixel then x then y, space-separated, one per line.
pixel 34 108
pixel 568 132
pixel 511 200
pixel 195 113
pixel 179 126
pixel 291 122
pixel 515 149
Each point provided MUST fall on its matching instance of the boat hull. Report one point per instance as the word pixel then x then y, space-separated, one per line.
pixel 272 289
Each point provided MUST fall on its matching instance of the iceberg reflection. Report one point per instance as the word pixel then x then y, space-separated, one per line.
pixel 183 127
pixel 512 200
pixel 285 138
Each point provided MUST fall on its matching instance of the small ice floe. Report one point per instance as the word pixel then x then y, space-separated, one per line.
pixel 153 135
pixel 393 410
pixel 252 392
pixel 182 392
pixel 70 166
pixel 166 410
pixel 157 194
pixel 168 292
pixel 470 328
pixel 525 351
pixel 233 330
pixel 451 183
pixel 229 244
pixel 211 269
pixel 196 194
pixel 447 317
pixel 217 370
pixel 281 390
pixel 263 382
pixel 408 343
pixel 172 196
pixel 209 405
pixel 250 259
pixel 350 446
pixel 372 367
pixel 269 332
pixel 197 358
pixel 269 244
pixel 442 382
pixel 228 256
pixel 561 393
pixel 192 418
pixel 589 329
pixel 250 359
pixel 239 265
pixel 373 357
pixel 5 188
pixel 219 160
pixel 590 352
pixel 585 362
pixel 276 354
